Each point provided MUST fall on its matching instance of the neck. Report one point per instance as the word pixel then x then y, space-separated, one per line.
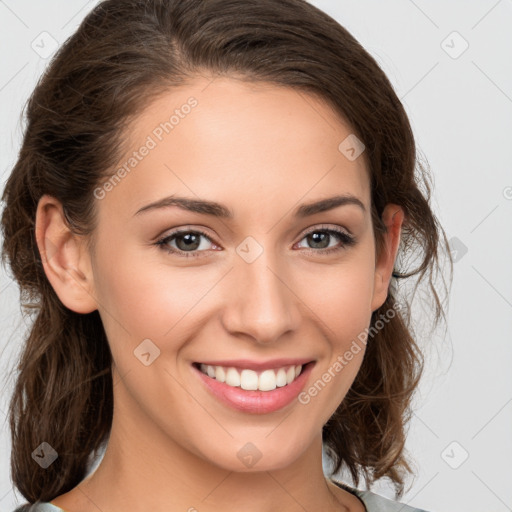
pixel 149 477
pixel 144 469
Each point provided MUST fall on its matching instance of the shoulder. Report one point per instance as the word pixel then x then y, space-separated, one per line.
pixel 376 503
pixel 41 506
pixel 373 503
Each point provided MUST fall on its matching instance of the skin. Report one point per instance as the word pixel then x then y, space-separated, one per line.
pixel 261 150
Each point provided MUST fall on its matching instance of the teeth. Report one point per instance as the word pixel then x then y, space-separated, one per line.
pixel 220 374
pixel 267 380
pixel 251 380
pixel 232 377
pixel 281 378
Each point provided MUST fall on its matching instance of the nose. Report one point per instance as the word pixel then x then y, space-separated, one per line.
pixel 262 304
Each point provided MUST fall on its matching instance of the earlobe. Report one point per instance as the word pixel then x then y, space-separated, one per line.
pixel 393 218
pixel 64 256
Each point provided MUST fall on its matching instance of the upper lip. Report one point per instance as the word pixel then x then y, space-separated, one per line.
pixel 258 365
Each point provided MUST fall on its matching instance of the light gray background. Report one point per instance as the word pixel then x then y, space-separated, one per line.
pixel 460 106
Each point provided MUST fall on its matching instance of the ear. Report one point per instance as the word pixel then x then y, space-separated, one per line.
pixel 393 217
pixel 65 258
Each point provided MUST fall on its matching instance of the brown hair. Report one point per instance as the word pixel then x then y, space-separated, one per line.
pixel 124 53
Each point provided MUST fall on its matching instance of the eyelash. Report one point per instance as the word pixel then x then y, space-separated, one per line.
pixel 345 239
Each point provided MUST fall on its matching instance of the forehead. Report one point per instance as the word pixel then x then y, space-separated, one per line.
pixel 249 145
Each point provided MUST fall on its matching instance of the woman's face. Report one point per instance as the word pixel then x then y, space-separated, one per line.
pixel 255 285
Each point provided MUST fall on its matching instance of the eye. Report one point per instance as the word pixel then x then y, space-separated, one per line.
pixel 321 237
pixel 186 241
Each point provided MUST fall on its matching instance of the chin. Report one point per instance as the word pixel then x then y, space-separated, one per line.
pixel 260 455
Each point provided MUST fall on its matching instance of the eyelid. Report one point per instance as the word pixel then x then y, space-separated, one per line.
pixel 346 239
pixel 336 229
pixel 162 241
pixel 202 230
pixel 320 227
pixel 187 228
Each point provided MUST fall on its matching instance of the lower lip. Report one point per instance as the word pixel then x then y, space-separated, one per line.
pixel 256 402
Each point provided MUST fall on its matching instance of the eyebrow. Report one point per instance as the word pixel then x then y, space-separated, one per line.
pixel 214 209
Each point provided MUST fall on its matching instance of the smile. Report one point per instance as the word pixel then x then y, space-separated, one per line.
pixel 254 387
pixel 251 380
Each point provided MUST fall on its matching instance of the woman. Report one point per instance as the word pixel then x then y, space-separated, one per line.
pixel 207 216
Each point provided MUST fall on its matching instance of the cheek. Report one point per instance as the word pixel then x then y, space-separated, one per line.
pixel 141 296
pixel 341 295
pixel 346 302
pixel 343 304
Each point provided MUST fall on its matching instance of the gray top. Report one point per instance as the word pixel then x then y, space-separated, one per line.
pixel 372 503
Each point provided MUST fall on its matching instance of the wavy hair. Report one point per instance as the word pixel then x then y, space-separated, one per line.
pixel 124 53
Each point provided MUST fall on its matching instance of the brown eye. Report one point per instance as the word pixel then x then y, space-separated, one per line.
pixel 187 243
pixel 320 240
